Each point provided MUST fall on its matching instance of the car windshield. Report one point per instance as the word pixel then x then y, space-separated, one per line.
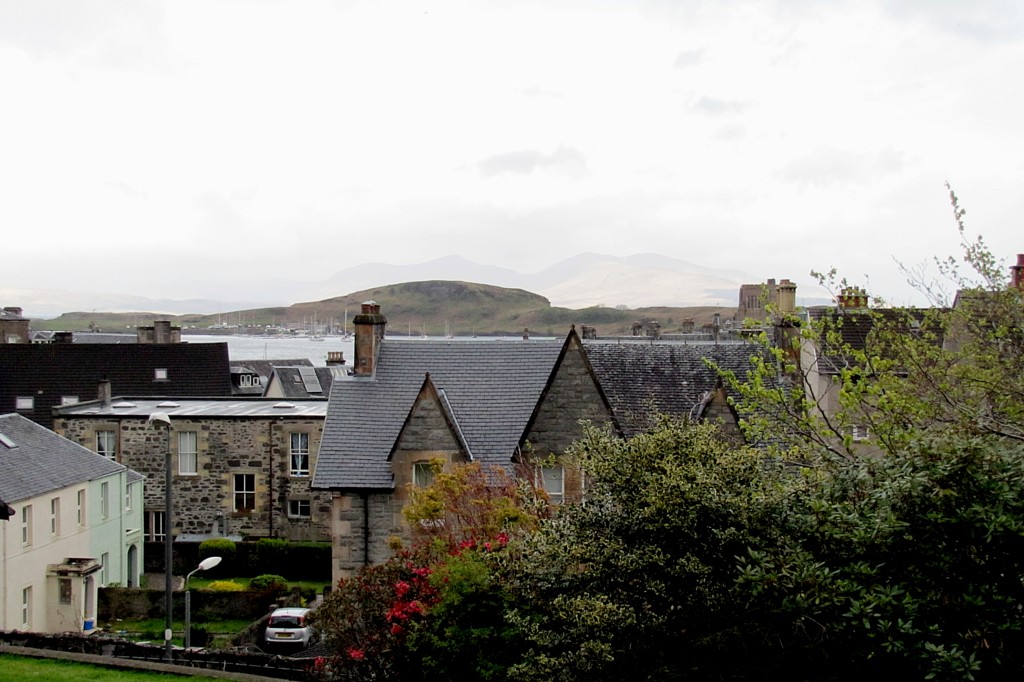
pixel 286 622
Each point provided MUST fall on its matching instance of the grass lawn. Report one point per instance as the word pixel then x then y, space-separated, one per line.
pixel 20 668
pixel 197 583
pixel 152 630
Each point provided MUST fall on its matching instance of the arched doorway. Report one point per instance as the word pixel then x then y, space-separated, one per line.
pixel 133 566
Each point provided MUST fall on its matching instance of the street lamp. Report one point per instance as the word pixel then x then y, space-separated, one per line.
pixel 204 565
pixel 168 568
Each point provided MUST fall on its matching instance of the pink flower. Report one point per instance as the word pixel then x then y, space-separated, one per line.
pixel 355 654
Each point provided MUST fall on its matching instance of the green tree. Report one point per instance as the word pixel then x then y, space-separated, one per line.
pixel 640 581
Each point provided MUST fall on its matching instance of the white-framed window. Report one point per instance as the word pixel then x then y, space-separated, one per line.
pixel 54 516
pixel 248 380
pixel 156 524
pixel 299 509
pixel 859 432
pixel 299 454
pixel 422 474
pixel 80 511
pixel 160 374
pixel 26 525
pixel 104 573
pixel 188 453
pixel 106 444
pixel 552 480
pixel 104 500
pixel 128 489
pixel 26 608
pixel 245 492
pixel 24 403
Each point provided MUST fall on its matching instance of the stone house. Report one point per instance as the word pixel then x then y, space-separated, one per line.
pixel 502 403
pixel 241 467
pixel 507 404
pixel 76 526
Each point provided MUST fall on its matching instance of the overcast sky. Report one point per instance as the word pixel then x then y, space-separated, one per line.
pixel 155 147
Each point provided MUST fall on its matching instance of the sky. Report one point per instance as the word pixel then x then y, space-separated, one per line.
pixel 159 148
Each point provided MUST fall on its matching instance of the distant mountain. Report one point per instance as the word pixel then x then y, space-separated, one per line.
pixel 588 279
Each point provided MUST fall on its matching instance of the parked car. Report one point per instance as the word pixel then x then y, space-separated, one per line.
pixel 289 626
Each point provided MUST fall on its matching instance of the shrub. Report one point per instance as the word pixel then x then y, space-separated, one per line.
pixel 222 547
pixel 224 586
pixel 271 554
pixel 269 582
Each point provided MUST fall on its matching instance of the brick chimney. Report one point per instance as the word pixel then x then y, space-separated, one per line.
pixel 1017 273
pixel 852 298
pixel 369 332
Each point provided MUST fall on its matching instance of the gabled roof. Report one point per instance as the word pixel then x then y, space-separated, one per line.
pixel 492 386
pixel 35 460
pixel 264 369
pixel 645 377
pixel 46 372
pixel 304 382
pixel 429 392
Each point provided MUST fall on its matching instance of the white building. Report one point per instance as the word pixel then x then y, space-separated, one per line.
pixel 77 525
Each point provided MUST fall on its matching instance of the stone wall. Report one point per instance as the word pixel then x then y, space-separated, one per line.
pixel 573 396
pixel 204 503
pixel 364 524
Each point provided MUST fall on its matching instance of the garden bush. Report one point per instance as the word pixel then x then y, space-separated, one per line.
pixel 222 547
pixel 269 582
pixel 224 586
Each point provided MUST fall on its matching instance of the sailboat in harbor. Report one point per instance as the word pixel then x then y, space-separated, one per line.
pixel 314 333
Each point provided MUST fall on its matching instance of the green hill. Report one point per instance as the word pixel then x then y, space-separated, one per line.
pixel 414 308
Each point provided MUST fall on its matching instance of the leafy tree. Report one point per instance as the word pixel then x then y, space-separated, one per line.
pixel 639 582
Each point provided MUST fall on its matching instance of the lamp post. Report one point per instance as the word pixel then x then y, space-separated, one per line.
pixel 204 565
pixel 168 551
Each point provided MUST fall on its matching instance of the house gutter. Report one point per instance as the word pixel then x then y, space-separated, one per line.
pixel 366 527
pixel 270 483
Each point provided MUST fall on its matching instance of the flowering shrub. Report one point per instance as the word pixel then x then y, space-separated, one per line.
pixel 434 611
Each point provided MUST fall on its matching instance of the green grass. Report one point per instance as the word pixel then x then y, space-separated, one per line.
pixel 152 630
pixel 196 583
pixel 22 668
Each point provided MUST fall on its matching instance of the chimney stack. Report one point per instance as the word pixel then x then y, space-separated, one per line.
pixel 369 332
pixel 852 298
pixel 104 393
pixel 1017 273
pixel 786 297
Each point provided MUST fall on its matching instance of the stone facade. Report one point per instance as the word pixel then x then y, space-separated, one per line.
pixel 366 524
pixel 242 483
pixel 573 396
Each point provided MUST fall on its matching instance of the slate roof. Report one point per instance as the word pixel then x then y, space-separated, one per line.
pixel 645 377
pixel 42 461
pixel 855 326
pixel 491 385
pixel 293 386
pixel 46 372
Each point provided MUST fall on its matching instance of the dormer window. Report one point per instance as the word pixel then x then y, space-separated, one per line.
pixel 160 374
pixel 24 403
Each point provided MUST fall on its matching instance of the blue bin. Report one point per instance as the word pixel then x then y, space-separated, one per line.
pixel 89 624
